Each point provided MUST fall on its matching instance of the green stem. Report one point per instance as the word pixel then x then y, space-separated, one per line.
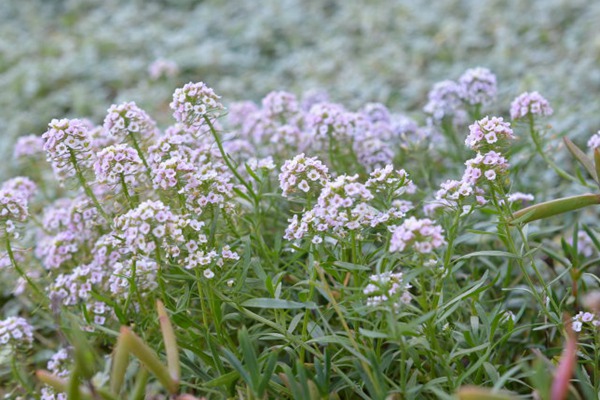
pixel 538 146
pixel 126 192
pixel 88 191
pixel 137 148
pixel 22 273
pixel 228 161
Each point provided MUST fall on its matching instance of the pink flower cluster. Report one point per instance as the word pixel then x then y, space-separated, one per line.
pixel 420 234
pixel 387 289
pixel 281 105
pixel 594 142
pixel 163 67
pixel 67 142
pixel 172 173
pixel 489 134
pixel 15 332
pixel 488 166
pixel 29 146
pixel 125 119
pixel 22 186
pixel 117 164
pixel 585 318
pixel 150 226
pixel 13 208
pixel 302 173
pixel 193 103
pixel 444 100
pixel 530 104
pixel 329 119
pixel 478 86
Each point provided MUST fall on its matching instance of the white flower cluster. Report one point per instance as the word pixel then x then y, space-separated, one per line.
pixel 15 332
pixel 387 289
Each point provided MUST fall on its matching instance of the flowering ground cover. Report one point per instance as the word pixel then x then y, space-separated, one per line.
pixel 300 248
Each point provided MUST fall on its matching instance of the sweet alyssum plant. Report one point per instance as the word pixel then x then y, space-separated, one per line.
pixel 291 257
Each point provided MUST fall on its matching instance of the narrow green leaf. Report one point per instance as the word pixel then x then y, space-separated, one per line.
pixel 170 341
pixel 558 206
pixel 277 304
pixel 582 158
pixel 487 253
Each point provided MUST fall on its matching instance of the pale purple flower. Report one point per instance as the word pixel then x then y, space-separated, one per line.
pixel 330 119
pixel 587 318
pixel 594 142
pixel 489 134
pixel 144 274
pixel 137 229
pixel 478 86
pixel 376 112
pixel 312 97
pixel 15 332
pixel 388 290
pixel 302 173
pixel 518 196
pixel 67 142
pixel 444 99
pixel 479 167
pixel 420 234
pixel 280 106
pixel 530 103
pixel 22 186
pixel 118 163
pixel 163 67
pixel 172 173
pixel 125 119
pixel 193 103
pixel 29 146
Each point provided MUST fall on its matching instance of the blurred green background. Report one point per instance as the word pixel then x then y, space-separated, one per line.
pixel 74 58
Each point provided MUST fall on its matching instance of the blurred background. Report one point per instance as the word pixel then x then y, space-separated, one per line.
pixel 75 58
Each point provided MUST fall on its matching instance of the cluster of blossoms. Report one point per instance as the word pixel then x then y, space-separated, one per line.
pixel 281 105
pixel 444 100
pixel 518 196
pixel 127 120
pixel 162 67
pixel 530 104
pixel 420 234
pixel 303 173
pixel 330 119
pixel 587 318
pixel 29 146
pixel 475 87
pixel 142 270
pixel 68 146
pixel 117 164
pixel 594 142
pixel 22 186
pixel 387 289
pixel 489 133
pixel 193 103
pixel 205 259
pixel 15 332
pixel 491 165
pixel 172 172
pixel 342 206
pixel 13 208
pixel 452 193
pixel 390 181
pixel 58 365
pixel 209 187
pixel 585 245
pixel 69 289
pixel 150 226
pixel 478 86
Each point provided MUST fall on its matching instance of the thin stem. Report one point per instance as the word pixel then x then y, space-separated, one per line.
pixel 88 191
pixel 126 192
pixel 137 148
pixel 538 147
pixel 228 161
pixel 22 273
